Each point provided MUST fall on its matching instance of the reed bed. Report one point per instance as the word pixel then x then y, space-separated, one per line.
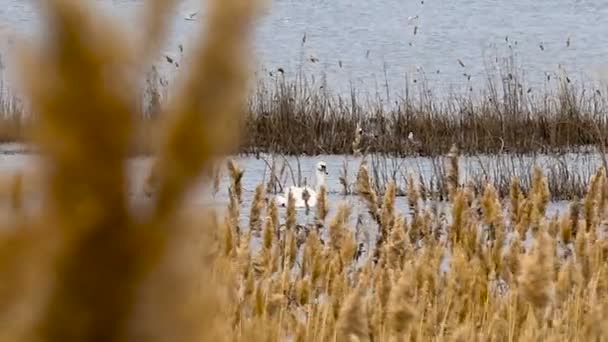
pixel 88 267
pixel 496 270
pixel 567 173
pixel 295 115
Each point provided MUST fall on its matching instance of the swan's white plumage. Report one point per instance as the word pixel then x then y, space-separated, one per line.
pixel 298 192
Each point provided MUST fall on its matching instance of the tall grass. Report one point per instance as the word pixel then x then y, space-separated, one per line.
pixel 295 117
pixel 495 270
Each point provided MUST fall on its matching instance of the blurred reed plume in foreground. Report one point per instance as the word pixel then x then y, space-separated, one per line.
pixel 90 268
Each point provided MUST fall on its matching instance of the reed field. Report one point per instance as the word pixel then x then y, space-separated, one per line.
pixel 488 264
pixel 297 117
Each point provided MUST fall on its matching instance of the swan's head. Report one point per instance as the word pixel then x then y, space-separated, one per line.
pixel 410 136
pixel 359 130
pixel 322 168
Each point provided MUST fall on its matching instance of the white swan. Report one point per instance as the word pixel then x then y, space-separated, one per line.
pixel 415 142
pixel 298 192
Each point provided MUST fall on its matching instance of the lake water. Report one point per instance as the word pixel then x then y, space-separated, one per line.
pixel 257 172
pixel 366 44
pixel 14 158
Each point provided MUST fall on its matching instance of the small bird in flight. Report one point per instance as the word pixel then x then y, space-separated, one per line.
pixel 191 16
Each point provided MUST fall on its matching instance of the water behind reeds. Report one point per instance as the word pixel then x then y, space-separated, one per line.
pixel 340 33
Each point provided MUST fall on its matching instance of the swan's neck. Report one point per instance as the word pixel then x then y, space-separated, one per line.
pixel 320 180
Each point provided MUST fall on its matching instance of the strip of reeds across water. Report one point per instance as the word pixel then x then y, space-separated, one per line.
pixel 295 116
pixel 298 118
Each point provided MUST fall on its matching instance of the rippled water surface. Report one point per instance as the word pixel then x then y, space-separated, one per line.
pixel 368 43
pixel 257 172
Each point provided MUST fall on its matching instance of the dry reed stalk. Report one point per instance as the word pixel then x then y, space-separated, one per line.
pixel 397 244
pixel 322 208
pixel 574 211
pixel 290 223
pixel 603 205
pixel 87 203
pixel 493 218
pixel 268 238
pixel 291 251
pixel 516 197
pixel 513 258
pixel 352 322
pixel 349 248
pixel 230 241
pixel 337 226
pixel 459 211
pixel 568 277
pixel 387 216
pixel 540 190
pixel 236 176
pixel 464 333
pixel 316 258
pixel 581 248
pixel 453 172
pixel 234 210
pixel 344 179
pixel 273 212
pixel 85 104
pixel 401 312
pixel 383 285
pixel 525 219
pixel 536 280
pixel 365 190
pixel 535 217
pixel 413 194
pixel 255 221
pixel 217 174
pixel 592 199
pixel 566 229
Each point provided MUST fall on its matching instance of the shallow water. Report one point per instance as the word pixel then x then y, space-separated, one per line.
pixel 13 159
pixel 355 41
pixel 257 171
